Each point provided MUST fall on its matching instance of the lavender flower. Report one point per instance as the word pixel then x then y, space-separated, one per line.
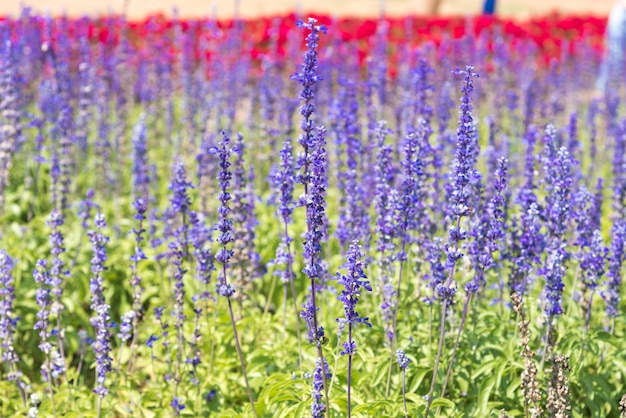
pixel 141 173
pixel 245 260
pixel 558 167
pixel 386 202
pixel 85 208
pixel 320 377
pixel 353 217
pixel 44 300
pixel 459 189
pixel 8 320
pixel 11 112
pixel 489 231
pixel 350 295
pixel 126 327
pixel 138 255
pixel 402 359
pixel 57 270
pixel 224 225
pixel 177 405
pixel 554 271
pixel 200 238
pixel 313 177
pixel 611 294
pixel 101 320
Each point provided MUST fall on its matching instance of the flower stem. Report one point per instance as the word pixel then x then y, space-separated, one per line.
pixel 442 330
pixel 395 318
pixel 406 413
pixel 349 369
pixel 240 353
pixel 456 344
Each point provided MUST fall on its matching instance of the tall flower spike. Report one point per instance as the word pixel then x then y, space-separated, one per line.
pixel 101 320
pixel 8 320
pixel 386 202
pixel 489 231
pixel 460 191
pixel 352 284
pixel 224 225
pixel 350 295
pixel 611 294
pixel 224 254
pixel 313 177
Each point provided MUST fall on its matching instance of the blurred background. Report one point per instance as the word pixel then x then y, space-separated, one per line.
pixel 343 8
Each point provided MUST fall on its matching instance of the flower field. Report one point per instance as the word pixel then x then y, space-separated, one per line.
pixel 323 217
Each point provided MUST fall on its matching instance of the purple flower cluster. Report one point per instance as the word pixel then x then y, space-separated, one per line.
pixel 101 319
pixel 386 202
pixel 54 365
pixel 463 176
pixel 224 225
pixel 318 408
pixel 201 239
pixel 141 172
pixel 351 293
pixel 489 231
pixel 8 319
pixel 611 294
pixel 402 360
pixel 138 255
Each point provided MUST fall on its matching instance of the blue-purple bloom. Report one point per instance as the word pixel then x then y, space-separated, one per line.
pixel 611 293
pixel 558 165
pixel 141 172
pixel 177 405
pixel 386 202
pixel 138 231
pixel 8 320
pixel 126 326
pixel 200 238
pixel 101 319
pixel 224 225
pixel 402 360
pixel 352 284
pixel 460 188
pixel 488 231
pixel 318 407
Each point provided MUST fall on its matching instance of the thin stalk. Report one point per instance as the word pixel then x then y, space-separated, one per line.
pixel 212 347
pixel 349 369
pixel 270 295
pixel 79 366
pixel 442 330
pixel 293 289
pixel 320 352
pixel 588 319
pixel 406 413
pixel 50 385
pixel 430 323
pixel 332 379
pixel 295 308
pixel 395 316
pixel 236 336
pixel 240 353
pixel 285 293
pixel 456 344
pixel 133 344
pixel 575 282
pixel 99 406
pixel 546 343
